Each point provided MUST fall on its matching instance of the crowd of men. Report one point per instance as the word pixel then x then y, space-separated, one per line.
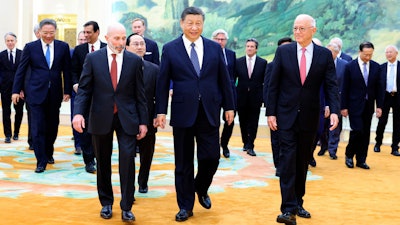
pixel 122 86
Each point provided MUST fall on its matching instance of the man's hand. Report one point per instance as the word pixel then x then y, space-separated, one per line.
pixel 66 98
pixel 327 112
pixel 78 123
pixel 378 112
pixel 142 132
pixel 15 98
pixel 344 112
pixel 272 123
pixel 160 121
pixel 334 121
pixel 229 116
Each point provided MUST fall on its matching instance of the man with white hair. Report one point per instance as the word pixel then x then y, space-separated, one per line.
pixel 221 37
pixel 341 54
pixel 390 71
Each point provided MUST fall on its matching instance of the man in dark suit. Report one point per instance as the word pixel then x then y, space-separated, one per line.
pixel 274 136
pixel 111 89
pixel 250 71
pixel 197 67
pixel 135 44
pixel 341 54
pixel 362 86
pixel 91 31
pixel 9 61
pixel 293 109
pixel 334 135
pixel 390 71
pixel 152 53
pixel 221 37
pixel 48 85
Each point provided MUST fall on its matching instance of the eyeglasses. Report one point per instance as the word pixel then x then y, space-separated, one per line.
pixel 300 29
pixel 220 39
pixel 136 44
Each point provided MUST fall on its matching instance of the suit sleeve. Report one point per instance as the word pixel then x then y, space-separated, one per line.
pixel 19 79
pixel 141 102
pixel 163 83
pixel 273 85
pixel 330 86
pixel 267 77
pixel 76 67
pixel 225 84
pixel 85 90
pixel 344 103
pixel 380 88
pixel 67 70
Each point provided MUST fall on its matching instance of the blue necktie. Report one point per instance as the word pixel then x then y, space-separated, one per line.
pixel 195 59
pixel 48 55
pixel 365 74
pixel 390 79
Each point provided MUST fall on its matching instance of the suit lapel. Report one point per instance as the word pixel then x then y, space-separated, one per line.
pixel 182 54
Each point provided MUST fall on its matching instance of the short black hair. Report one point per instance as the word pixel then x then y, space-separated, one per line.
pixel 192 11
pixel 253 40
pixel 366 44
pixel 48 22
pixel 128 39
pixel 92 23
pixel 283 40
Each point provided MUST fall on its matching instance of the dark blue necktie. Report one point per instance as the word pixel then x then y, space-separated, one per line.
pixel 195 59
pixel 48 55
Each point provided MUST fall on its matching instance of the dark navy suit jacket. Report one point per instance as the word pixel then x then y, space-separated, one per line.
pixel 231 58
pixel 212 86
pixel 42 80
pixel 152 53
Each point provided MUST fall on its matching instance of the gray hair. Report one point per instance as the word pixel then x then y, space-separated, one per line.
pixel 391 46
pixel 338 41
pixel 11 34
pixel 48 22
pixel 220 31
pixel 334 46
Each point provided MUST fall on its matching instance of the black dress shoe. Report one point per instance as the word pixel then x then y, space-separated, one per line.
pixel 349 162
pixel 251 152
pixel 321 152
pixel 51 160
pixel 30 147
pixel 302 212
pixel 143 189
pixel 183 215
pixel 39 169
pixel 245 149
pixel 90 167
pixel 377 148
pixel 204 200
pixel 287 218
pixel 7 140
pixel 127 216
pixel 106 212
pixel 15 137
pixel 395 153
pixel 362 165
pixel 313 163
pixel 226 153
pixel 333 156
pixel 78 151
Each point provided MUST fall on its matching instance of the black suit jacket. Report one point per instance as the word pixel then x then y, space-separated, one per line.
pixel 288 99
pixel 95 86
pixel 7 70
pixel 231 60
pixel 344 56
pixel 150 74
pixel 78 58
pixel 152 53
pixel 250 90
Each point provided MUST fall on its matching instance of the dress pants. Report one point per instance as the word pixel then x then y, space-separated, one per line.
pixel 102 145
pixel 359 138
pixel 295 152
pixel 146 147
pixel 248 120
pixel 389 102
pixel 74 132
pixel 45 119
pixel 334 136
pixel 226 131
pixel 19 112
pixel 275 146
pixel 208 155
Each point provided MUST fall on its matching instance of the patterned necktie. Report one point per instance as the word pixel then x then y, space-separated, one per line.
pixel 92 48
pixel 48 55
pixel 249 69
pixel 113 73
pixel 390 79
pixel 195 59
pixel 365 74
pixel 303 66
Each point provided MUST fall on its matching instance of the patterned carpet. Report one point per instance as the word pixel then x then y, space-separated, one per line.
pixel 244 191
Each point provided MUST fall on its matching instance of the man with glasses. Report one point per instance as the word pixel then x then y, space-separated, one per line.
pixel 221 37
pixel 300 68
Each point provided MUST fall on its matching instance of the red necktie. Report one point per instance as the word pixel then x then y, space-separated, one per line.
pixel 92 48
pixel 113 73
pixel 303 67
